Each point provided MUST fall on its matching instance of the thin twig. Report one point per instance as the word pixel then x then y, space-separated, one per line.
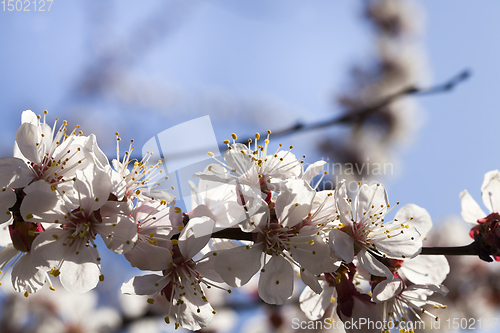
pixel 354 115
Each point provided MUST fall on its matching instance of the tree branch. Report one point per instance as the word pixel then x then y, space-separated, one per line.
pixel 466 250
pixel 354 115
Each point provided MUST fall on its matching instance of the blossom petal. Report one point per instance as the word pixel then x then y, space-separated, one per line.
pixel 371 199
pixel 195 236
pixel 237 266
pixel 276 281
pixel 80 272
pixel 94 187
pixel 342 244
pixel 7 200
pixel 294 202
pixel 471 212
pixel 26 277
pixel 310 251
pixel 372 265
pixel 148 284
pixel 387 290
pixel 27 137
pixel 193 313
pixel 491 191
pixel 206 267
pixel 311 281
pixel 344 206
pixel 14 173
pixel 314 305
pixel 149 257
pixel 7 253
pixel 313 170
pixel 119 232
pixel 426 269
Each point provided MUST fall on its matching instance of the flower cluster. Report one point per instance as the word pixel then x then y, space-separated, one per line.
pixel 59 193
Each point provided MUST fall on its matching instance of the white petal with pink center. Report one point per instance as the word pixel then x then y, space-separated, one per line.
pixel 373 236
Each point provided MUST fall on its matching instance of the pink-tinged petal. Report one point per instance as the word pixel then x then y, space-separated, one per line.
pixel 314 305
pixel 387 290
pixel 27 137
pixel 313 170
pixel 195 236
pixel 491 191
pixel 206 268
pixel 415 216
pixel 372 265
pixel 7 200
pixel 311 281
pixel 342 244
pixel 149 257
pixel 7 253
pixel 80 272
pixel 14 173
pixel 294 202
pixel 144 285
pixel 276 281
pixel 119 232
pixel 471 212
pixel 426 269
pixel 26 277
pixel 371 199
pixel 237 266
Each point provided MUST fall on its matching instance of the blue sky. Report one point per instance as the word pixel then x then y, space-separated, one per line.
pixel 252 67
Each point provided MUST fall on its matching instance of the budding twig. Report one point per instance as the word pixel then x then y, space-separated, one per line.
pixel 354 115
